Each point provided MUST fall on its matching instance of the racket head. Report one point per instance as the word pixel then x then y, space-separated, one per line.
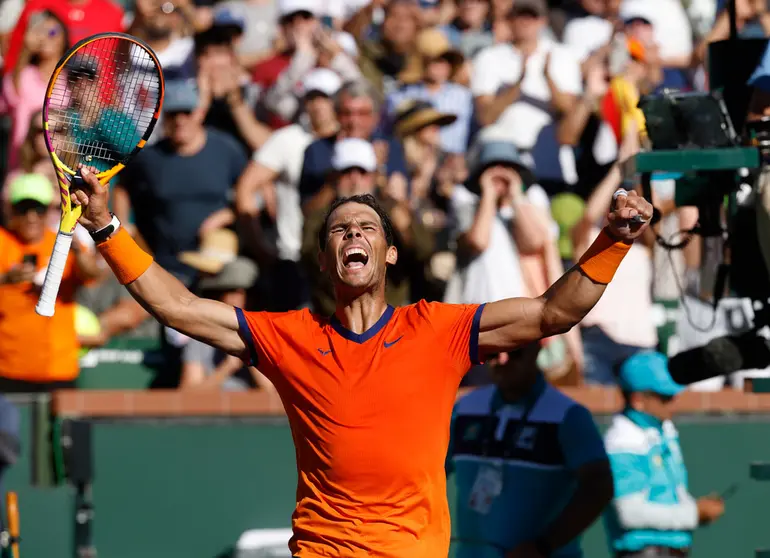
pixel 102 104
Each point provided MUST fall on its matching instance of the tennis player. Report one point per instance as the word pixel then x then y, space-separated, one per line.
pixel 368 391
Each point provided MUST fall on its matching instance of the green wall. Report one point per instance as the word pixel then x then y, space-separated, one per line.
pixel 166 489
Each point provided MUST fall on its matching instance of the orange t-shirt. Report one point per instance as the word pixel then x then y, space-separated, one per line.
pixel 34 348
pixel 370 416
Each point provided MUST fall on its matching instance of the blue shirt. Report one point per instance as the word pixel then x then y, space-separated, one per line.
pixel 172 194
pixel 538 457
pixel 317 163
pixel 652 505
pixel 451 99
pixel 109 140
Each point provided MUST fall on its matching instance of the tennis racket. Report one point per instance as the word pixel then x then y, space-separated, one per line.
pixel 101 105
pixel 12 513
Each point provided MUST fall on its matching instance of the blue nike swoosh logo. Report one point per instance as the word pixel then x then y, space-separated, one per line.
pixel 388 345
pixel 324 353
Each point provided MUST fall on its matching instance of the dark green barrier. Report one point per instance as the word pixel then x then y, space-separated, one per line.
pixel 189 489
pixel 121 364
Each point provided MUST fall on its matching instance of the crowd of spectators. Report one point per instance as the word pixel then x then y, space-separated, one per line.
pixel 492 131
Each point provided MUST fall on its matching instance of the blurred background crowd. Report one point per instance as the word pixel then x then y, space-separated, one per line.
pixel 493 132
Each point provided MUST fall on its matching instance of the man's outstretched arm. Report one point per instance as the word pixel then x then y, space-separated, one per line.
pixel 508 324
pixel 159 292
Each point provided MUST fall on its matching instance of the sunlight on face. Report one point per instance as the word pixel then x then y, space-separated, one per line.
pixel 357 252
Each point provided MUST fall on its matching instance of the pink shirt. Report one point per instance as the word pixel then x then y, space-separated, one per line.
pixel 21 105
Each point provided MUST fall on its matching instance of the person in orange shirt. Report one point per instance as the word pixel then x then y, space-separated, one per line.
pixel 36 354
pixel 369 390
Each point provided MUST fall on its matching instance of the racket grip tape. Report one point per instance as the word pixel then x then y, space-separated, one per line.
pixel 46 304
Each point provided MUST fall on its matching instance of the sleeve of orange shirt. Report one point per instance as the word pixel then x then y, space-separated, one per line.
pixel 457 329
pixel 260 332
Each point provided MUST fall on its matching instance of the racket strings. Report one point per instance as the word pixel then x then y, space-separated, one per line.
pixel 103 102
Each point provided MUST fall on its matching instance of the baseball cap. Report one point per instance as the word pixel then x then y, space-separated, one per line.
pixel 321 80
pixel 180 96
pixel 354 153
pixel 648 372
pixel 32 186
pixel 288 7
pixel 226 18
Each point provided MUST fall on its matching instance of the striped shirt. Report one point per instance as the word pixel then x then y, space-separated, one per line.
pixel 451 98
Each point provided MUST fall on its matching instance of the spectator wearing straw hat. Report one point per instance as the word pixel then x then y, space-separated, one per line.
pixel 419 126
pixel 354 172
pixel 225 277
pixel 429 79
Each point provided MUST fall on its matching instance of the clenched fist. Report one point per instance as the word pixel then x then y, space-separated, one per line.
pixel 629 216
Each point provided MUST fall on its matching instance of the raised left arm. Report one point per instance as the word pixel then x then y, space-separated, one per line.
pixel 511 323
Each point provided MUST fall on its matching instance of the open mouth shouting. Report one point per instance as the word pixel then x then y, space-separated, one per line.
pixel 354 258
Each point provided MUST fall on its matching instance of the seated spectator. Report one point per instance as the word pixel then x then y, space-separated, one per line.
pixel 471 29
pixel 419 126
pixel 270 184
pixel 164 32
pixel 496 219
pixel 522 87
pixel 180 187
pixel 385 58
pixel 314 46
pixel 430 81
pixel 663 28
pixel 25 248
pixel 357 113
pixel 260 22
pixel 81 18
pixel 24 87
pixel 227 98
pixel 226 277
pixel 354 172
pixel 34 158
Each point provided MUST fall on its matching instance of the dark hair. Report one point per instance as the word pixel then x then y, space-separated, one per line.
pixel 364 199
pixel 214 36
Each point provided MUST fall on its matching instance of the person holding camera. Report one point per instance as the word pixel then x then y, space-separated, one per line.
pixel 37 354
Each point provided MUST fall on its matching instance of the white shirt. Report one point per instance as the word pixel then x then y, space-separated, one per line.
pixel 529 122
pixel 283 153
pixel 584 35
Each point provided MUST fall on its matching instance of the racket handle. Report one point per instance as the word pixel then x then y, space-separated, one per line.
pixel 46 304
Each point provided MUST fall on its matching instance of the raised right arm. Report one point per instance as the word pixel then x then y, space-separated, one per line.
pixel 159 292
pixel 174 306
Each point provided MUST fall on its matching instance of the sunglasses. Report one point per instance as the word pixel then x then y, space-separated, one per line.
pixel 25 206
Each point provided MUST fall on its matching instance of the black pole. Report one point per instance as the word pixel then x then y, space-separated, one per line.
pixel 733 19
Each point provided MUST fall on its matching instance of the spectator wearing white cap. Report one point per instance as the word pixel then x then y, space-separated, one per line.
pixel 521 89
pixel 308 45
pixel 354 172
pixel 270 184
